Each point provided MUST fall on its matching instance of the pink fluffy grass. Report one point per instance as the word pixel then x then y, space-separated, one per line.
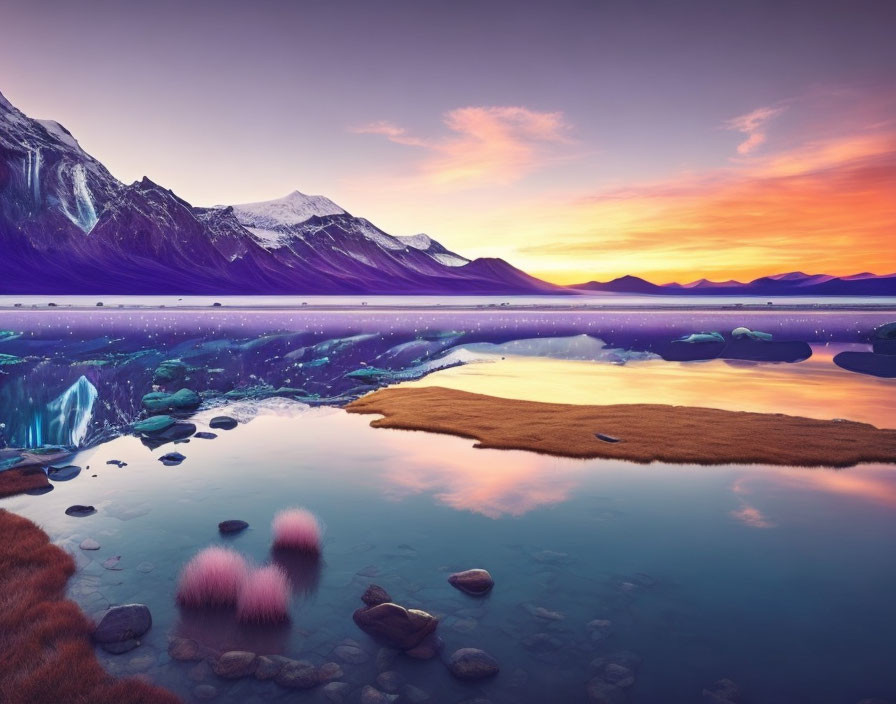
pixel 264 597
pixel 214 577
pixel 296 529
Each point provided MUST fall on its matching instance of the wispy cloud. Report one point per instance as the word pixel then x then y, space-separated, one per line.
pixel 753 126
pixel 486 145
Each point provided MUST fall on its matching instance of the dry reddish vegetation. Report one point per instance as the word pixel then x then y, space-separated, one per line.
pixel 44 638
pixel 648 432
pixel 15 481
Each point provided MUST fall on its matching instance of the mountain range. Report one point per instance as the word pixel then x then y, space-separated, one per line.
pixel 67 226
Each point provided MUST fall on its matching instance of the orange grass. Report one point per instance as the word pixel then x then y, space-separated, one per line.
pixel 44 638
pixel 15 481
pixel 648 432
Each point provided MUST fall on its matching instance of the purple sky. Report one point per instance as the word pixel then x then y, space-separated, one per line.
pixel 363 102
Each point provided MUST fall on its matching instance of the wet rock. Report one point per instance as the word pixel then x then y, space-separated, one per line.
pixel 154 425
pixel 472 664
pixel 371 695
pixel 171 459
pixel 205 692
pixel 541 643
pixel 79 511
pixel 297 674
pixel 63 474
pixel 89 544
pixel 111 563
pixel 722 691
pixel 428 648
pixel 181 401
pixel 389 681
pixel 204 435
pixel 414 695
pixel 476 581
pixel 124 646
pixel 184 649
pixel 336 692
pixel 121 623
pixel 374 595
pixel 223 423
pixel 329 671
pixel 601 692
pixel 235 664
pixel 394 625
pixel 232 525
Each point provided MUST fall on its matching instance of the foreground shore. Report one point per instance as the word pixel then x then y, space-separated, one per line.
pixel 45 638
pixel 634 432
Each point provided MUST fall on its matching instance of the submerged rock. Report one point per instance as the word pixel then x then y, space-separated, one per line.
pixel 722 691
pixel 235 664
pixel 428 648
pixel 472 664
pixel 371 695
pixel 601 692
pixel 122 623
pixel 232 525
pixel 124 646
pixel 223 423
pixel 184 649
pixel 395 625
pixel 476 581
pixel 79 511
pixel 297 674
pixel 374 595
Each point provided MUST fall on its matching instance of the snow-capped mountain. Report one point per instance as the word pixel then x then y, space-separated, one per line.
pixel 68 226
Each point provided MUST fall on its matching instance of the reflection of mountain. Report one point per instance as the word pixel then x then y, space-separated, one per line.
pixel 67 226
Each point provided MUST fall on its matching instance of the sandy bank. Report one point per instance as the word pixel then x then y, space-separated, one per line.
pixel 45 638
pixel 646 432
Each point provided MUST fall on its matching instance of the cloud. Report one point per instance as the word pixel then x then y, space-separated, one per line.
pixel 752 124
pixel 486 145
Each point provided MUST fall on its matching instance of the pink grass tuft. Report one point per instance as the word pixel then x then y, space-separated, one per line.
pixel 264 597
pixel 296 529
pixel 214 577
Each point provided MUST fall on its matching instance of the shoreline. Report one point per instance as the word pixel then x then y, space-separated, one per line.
pixel 640 433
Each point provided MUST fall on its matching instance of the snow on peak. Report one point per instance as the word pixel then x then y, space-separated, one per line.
pixel 4 103
pixel 419 241
pixel 285 212
pixel 60 133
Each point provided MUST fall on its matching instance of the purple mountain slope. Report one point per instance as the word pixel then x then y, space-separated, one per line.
pixel 791 284
pixel 67 226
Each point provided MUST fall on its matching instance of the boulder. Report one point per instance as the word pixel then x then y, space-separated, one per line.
pixel 180 401
pixel 154 425
pixel 222 423
pixel 395 625
pixel 232 525
pixel 374 595
pixel 122 623
pixel 235 664
pixel 476 581
pixel 472 664
pixel 169 371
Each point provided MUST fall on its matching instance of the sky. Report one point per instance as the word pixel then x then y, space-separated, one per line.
pixel 577 140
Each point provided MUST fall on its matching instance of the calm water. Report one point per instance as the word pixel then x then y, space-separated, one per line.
pixel 778 578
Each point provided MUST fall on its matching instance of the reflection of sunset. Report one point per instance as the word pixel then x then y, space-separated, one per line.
pixel 815 388
pixel 491 482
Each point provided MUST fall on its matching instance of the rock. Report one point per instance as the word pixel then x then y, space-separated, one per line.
pixel 476 582
pixel 297 674
pixel 541 643
pixel 124 646
pixel 599 628
pixel 336 692
pixel 472 664
pixel 172 458
pixel 181 401
pixel 89 544
pixel 374 595
pixel 223 423
pixel 111 563
pixel 154 425
pixel 235 664
pixel 394 625
pixel 746 333
pixel 601 692
pixel 63 474
pixel 169 371
pixel 232 525
pixel 267 667
pixel 428 648
pixel 617 674
pixel 184 649
pixel 389 681
pixel 607 438
pixel 79 511
pixel 121 623
pixel 205 692
pixel 371 695
pixel 873 363
pixel 414 695
pixel 545 614
pixel 145 567
pixel 203 435
pixel 385 657
pixel 329 671
pixel 117 463
pixel 722 691
pixel 351 654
